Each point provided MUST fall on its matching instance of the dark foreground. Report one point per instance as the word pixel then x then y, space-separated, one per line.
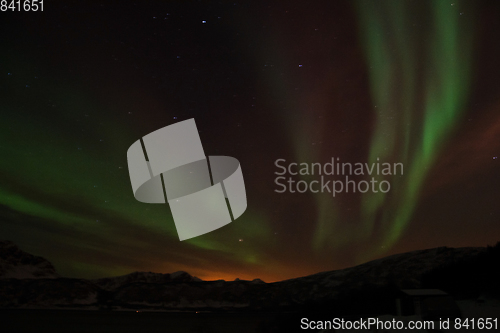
pixel 129 321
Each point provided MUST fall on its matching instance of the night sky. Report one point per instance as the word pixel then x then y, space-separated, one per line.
pixel 411 82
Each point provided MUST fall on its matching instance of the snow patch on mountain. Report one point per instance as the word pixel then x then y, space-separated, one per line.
pixel 17 264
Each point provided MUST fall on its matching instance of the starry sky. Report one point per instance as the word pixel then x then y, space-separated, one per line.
pixel 413 82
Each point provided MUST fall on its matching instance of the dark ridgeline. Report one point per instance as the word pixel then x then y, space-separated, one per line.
pixel 370 289
pixel 469 278
pixel 28 281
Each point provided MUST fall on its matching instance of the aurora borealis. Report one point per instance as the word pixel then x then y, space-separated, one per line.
pixel 411 82
pixel 410 129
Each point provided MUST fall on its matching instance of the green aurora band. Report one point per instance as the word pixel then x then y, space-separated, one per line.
pixel 83 195
pixel 419 79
